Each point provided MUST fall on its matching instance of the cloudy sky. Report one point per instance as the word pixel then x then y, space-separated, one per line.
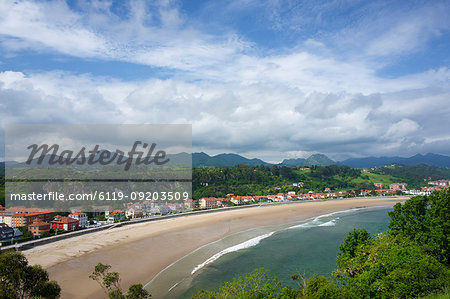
pixel 268 79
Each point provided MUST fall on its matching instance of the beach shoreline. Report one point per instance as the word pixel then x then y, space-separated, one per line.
pixel 139 252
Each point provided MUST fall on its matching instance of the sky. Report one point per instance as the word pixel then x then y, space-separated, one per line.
pixel 267 79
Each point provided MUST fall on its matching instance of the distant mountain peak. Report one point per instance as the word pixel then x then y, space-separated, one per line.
pixel 319 160
pixel 226 159
pixel 429 159
pixel 293 162
pixel 315 159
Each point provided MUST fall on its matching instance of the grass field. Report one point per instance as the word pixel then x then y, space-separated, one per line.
pixel 376 178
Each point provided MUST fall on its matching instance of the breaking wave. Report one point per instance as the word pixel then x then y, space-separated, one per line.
pixel 247 244
pixel 329 223
pixel 317 221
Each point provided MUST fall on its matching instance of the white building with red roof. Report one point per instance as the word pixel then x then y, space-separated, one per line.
pixel 81 217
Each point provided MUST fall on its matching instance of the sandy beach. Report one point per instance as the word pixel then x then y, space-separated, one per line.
pixel 139 252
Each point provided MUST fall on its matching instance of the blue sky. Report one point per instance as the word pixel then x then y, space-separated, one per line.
pixel 266 79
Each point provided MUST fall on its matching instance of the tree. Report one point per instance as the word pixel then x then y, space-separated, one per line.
pixel 136 291
pixel 321 287
pixel 99 275
pixel 355 240
pixel 100 217
pixel 110 283
pixel 257 284
pixel 26 232
pixel 425 220
pixel 20 280
pixel 391 267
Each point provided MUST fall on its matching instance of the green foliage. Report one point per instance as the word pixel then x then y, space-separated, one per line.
pixel 100 217
pixel 261 180
pixel 26 232
pixel 20 280
pixel 374 177
pixel 409 260
pixel 389 266
pixel 111 280
pixel 321 287
pixel 425 220
pixel 414 175
pixel 333 170
pixel 116 294
pixel 353 242
pixel 136 291
pixel 444 295
pixel 99 274
pixel 347 258
pixel 257 284
pixel 110 283
pixel 240 180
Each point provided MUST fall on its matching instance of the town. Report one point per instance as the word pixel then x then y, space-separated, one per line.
pixel 20 224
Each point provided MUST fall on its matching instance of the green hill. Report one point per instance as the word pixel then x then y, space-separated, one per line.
pixel 263 180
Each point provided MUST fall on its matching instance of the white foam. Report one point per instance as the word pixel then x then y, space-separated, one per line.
pixel 329 223
pixel 312 223
pixel 316 221
pixel 173 286
pixel 249 243
pixel 339 212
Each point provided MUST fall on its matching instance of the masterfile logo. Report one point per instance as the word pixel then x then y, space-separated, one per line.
pixel 68 157
pixel 92 165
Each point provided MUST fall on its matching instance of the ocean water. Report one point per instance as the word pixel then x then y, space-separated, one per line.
pixel 305 248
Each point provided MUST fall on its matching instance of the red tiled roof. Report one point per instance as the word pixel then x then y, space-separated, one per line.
pixel 20 215
pixel 209 198
pixel 23 209
pixel 39 223
pixel 29 214
pixel 62 220
pixel 116 212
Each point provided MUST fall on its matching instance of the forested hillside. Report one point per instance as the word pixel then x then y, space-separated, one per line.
pixel 263 180
pixel 414 174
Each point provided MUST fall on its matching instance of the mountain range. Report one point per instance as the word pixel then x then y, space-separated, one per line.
pixel 316 159
pixel 430 159
pixel 204 160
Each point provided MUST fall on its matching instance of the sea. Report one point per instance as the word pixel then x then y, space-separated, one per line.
pixel 305 248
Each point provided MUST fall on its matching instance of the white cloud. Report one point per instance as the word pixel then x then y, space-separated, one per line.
pixel 238 97
pixel 410 31
pixel 159 37
pixel 231 117
pixel 402 128
pixel 48 25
